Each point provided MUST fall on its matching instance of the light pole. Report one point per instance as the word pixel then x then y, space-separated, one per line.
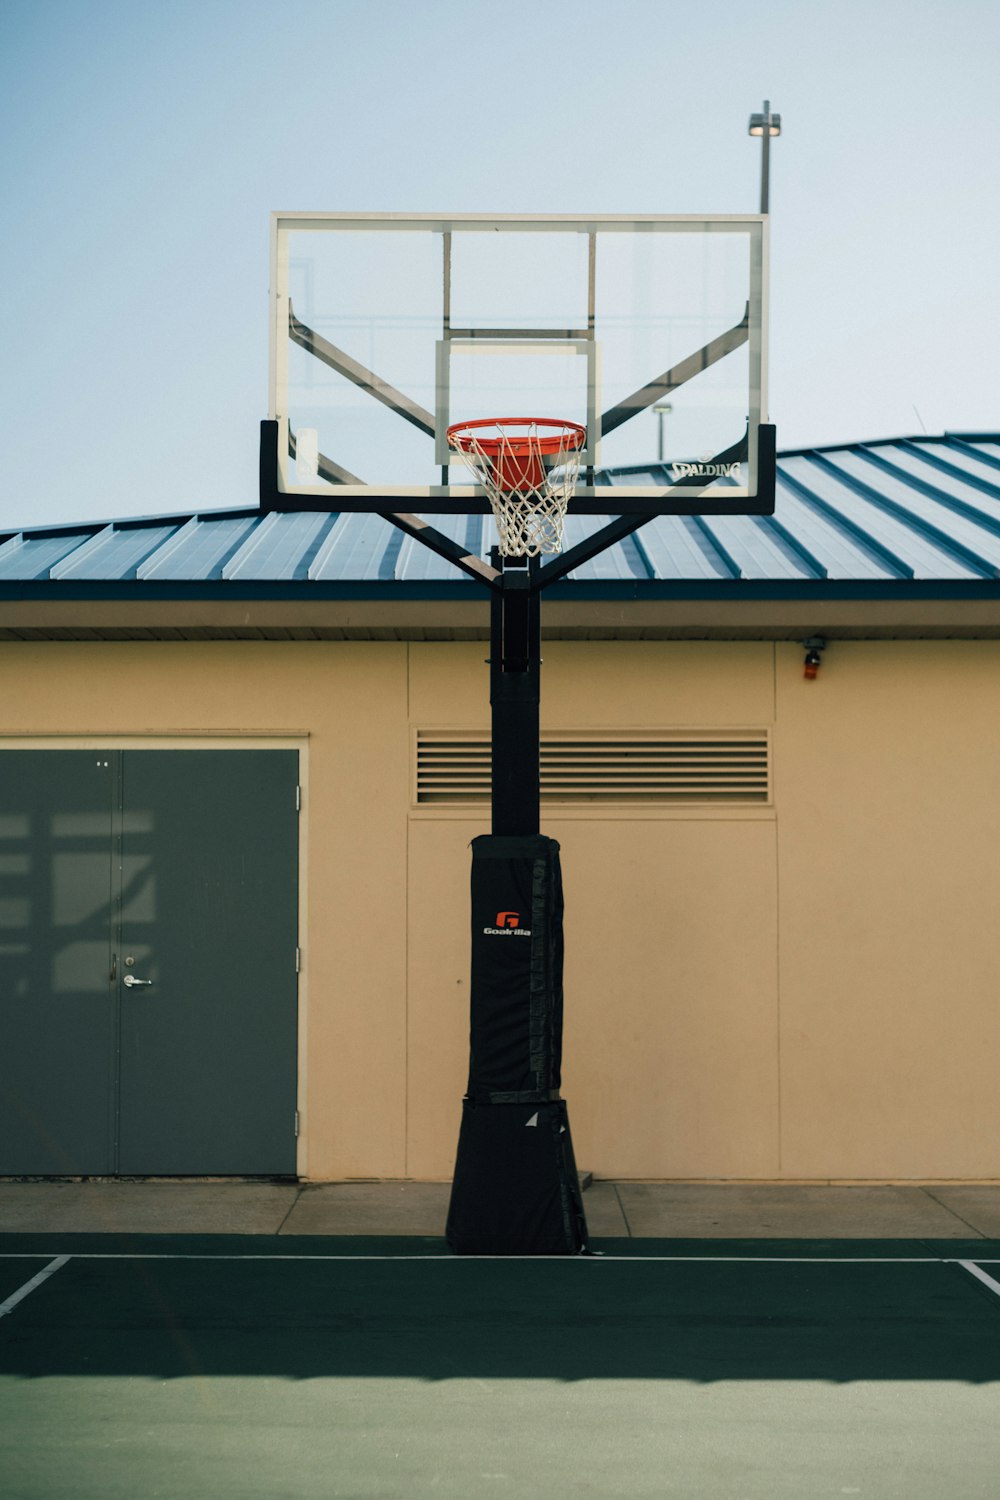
pixel 662 408
pixel 765 125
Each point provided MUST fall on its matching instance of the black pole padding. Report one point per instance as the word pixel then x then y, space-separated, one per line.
pixel 516 1017
pixel 515 1189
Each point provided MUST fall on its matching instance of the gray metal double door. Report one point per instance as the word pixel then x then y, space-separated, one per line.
pixel 148 962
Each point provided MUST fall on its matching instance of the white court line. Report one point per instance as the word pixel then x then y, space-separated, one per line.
pixel 763 1260
pixel 974 1270
pixel 30 1286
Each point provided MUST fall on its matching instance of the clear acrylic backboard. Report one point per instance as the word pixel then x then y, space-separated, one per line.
pixel 650 331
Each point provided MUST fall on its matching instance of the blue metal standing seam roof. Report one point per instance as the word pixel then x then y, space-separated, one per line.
pixel 911 510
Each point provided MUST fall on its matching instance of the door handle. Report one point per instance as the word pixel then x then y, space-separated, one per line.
pixel 130 982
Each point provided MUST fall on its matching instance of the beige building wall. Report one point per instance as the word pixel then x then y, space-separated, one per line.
pixel 888 798
pixel 803 989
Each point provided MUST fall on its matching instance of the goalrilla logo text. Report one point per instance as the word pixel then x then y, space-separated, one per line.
pixel 508 925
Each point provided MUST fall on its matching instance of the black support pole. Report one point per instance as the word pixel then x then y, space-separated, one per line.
pixel 516 1190
pixel 515 663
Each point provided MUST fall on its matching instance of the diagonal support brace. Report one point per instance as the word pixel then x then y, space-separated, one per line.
pixel 314 343
pixel 443 545
pixel 623 526
pixel 677 375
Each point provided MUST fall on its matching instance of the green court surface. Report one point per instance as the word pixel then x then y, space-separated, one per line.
pixel 313 1368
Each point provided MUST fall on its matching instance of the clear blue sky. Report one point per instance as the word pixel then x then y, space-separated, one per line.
pixel 146 143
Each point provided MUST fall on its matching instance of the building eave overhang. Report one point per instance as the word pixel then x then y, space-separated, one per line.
pixel 641 611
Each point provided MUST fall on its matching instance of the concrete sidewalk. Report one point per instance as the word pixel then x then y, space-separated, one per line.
pixel 627 1209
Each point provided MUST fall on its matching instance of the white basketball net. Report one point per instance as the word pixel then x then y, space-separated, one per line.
pixel 529 488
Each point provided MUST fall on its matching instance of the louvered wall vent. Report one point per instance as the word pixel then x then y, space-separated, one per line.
pixel 674 766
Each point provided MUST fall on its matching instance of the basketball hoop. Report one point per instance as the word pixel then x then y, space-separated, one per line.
pixel 529 475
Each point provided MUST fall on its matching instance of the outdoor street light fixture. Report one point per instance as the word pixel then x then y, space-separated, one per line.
pixel 765 125
pixel 662 409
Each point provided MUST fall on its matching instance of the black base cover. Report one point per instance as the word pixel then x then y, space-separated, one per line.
pixel 516 1190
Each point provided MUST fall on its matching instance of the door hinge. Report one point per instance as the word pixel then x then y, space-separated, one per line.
pixel 298 960
pixel 298 799
pixel 296 1122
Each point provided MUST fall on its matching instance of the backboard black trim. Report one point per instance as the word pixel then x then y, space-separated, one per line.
pixel 708 503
